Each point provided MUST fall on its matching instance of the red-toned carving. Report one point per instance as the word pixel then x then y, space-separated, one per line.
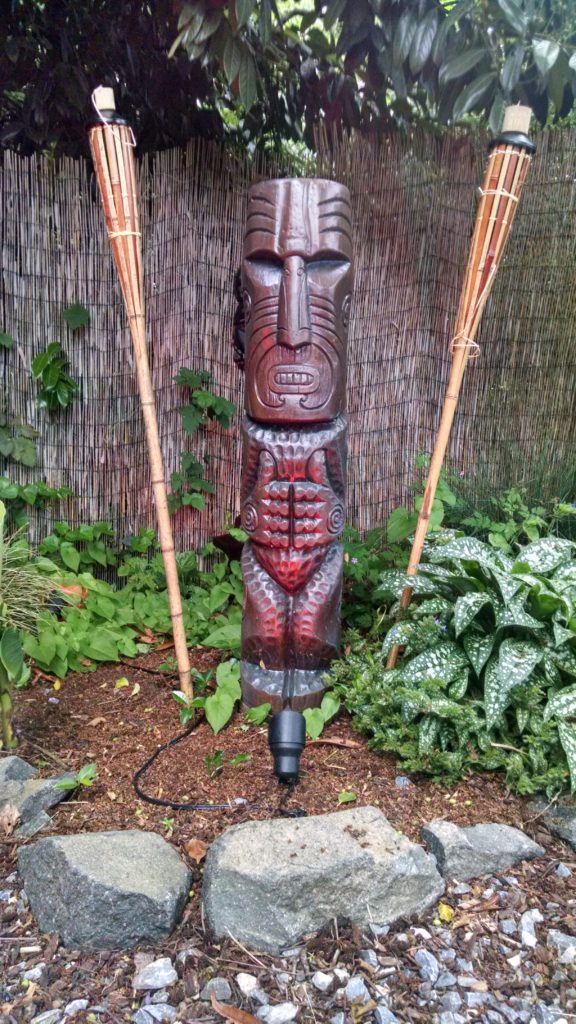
pixel 296 291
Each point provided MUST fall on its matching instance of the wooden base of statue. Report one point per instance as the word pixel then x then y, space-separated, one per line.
pixel 296 290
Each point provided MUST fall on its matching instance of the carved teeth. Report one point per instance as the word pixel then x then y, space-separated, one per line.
pixel 293 378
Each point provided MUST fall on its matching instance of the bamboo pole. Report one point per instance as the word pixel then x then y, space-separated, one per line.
pixel 503 181
pixel 112 147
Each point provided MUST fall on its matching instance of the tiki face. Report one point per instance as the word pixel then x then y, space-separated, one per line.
pixel 297 284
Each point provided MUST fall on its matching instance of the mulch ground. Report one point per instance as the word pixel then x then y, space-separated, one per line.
pixel 89 719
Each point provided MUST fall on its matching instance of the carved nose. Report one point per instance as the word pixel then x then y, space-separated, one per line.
pixel 293 312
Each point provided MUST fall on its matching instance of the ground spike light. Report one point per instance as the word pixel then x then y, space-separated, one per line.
pixel 112 145
pixel 510 156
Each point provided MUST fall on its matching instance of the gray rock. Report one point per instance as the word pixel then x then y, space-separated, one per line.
pixel 105 890
pixel 382 1015
pixel 428 966
pixel 461 889
pixel 48 1017
pixel 260 996
pixel 447 1017
pixel 76 1006
pixel 446 980
pixel 323 982
pixel 141 1017
pixel 508 926
pixel 158 1013
pixel 544 1014
pixel 161 996
pixel 219 987
pixel 159 974
pixel 33 825
pixel 563 870
pixel 477 849
pixel 35 973
pixel 31 796
pixel 451 1001
pixel 464 965
pixel 369 957
pixel 247 983
pixel 282 1013
pixel 564 944
pixel 560 819
pixel 475 999
pixel 338 1018
pixel 403 782
pixel 270 882
pixel 356 991
pixel 447 955
pixel 13 768
pixel 527 930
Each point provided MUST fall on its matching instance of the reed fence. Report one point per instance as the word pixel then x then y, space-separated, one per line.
pixel 413 198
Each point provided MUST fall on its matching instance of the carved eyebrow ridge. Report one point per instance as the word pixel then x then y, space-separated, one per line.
pixel 335 213
pixel 262 230
pixel 263 199
pixel 334 199
pixel 260 213
pixel 331 230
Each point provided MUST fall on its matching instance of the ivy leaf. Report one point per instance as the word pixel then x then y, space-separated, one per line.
pixel 546 54
pixel 76 316
pixel 472 95
pixel 562 704
pixel 259 714
pixel 467 608
pixel 218 709
pixel 6 340
pixel 567 734
pixel 314 722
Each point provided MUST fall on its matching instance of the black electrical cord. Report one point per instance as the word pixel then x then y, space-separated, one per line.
pixel 191 805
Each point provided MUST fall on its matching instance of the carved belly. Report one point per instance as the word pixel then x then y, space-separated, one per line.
pixel 290 568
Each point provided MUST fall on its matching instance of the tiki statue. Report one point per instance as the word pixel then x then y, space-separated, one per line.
pixel 296 283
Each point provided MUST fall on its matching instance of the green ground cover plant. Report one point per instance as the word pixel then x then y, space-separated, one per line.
pixel 488 675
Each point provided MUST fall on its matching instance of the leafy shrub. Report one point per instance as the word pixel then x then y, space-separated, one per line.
pixel 57 389
pixel 488 677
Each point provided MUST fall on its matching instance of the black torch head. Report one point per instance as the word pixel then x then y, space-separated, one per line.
pixel 287 738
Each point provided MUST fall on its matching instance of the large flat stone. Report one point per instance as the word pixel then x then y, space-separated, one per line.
pixel 31 796
pixel 560 819
pixel 105 890
pixel 477 850
pixel 270 882
pixel 13 768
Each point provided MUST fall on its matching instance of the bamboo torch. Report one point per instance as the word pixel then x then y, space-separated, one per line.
pixel 508 162
pixel 112 145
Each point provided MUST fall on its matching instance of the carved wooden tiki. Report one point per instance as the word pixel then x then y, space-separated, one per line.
pixel 296 290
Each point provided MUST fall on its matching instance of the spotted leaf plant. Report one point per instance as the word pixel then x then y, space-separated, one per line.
pixel 488 673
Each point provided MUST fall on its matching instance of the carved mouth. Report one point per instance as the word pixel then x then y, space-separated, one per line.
pixel 291 379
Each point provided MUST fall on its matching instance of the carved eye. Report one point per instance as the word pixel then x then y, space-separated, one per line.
pixel 346 310
pixel 247 304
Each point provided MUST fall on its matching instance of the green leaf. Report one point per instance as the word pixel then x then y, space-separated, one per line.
pixel 459 65
pixel 76 316
pixel 567 734
pixel 514 15
pixel 70 556
pixel 100 646
pixel 443 662
pixel 334 12
pixel 562 704
pixel 465 549
pixel 330 706
pixel 228 678
pixel 191 417
pixel 231 62
pixel 87 774
pixel 244 9
pixel 421 47
pixel 473 94
pixel 403 36
pixel 546 554
pixel 346 797
pixel 467 608
pixel 427 733
pixel 6 340
pixel 400 635
pixel 24 451
pixel 511 69
pixel 546 54
pixel 478 649
pixel 226 637
pixel 247 80
pixel 517 660
pixel 11 654
pixel 401 523
pixel 259 714
pixel 218 709
pixel 314 722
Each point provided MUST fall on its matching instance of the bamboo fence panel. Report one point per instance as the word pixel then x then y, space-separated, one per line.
pixel 413 199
